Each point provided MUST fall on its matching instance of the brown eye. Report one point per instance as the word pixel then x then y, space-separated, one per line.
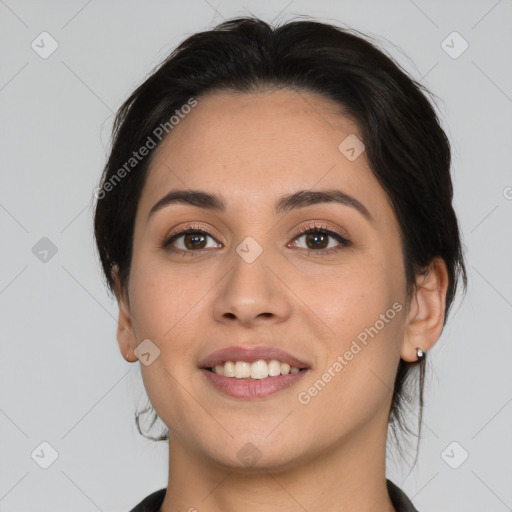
pixel 194 241
pixel 189 240
pixel 317 240
pixel 320 240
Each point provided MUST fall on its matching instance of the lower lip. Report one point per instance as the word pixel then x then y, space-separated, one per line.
pixel 252 388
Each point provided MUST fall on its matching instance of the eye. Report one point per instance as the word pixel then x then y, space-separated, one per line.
pixel 319 239
pixel 190 239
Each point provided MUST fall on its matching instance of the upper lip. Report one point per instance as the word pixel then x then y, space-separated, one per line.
pixel 250 355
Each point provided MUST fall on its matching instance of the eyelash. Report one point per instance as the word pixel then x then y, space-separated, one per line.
pixel 312 228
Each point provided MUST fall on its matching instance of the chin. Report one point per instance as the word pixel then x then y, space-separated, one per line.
pixel 256 455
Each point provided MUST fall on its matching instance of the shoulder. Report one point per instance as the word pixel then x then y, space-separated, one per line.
pixel 399 499
pixel 151 503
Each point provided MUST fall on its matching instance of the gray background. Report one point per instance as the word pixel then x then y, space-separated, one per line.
pixel 62 378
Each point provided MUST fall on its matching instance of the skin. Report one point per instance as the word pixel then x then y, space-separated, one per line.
pixel 328 454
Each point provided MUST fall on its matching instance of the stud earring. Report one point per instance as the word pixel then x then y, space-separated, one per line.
pixel 420 354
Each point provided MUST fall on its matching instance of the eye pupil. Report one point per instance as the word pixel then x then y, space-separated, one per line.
pixel 316 237
pixel 194 240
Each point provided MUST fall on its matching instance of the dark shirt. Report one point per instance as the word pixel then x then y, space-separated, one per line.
pixel 400 501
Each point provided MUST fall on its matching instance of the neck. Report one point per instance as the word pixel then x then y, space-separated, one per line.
pixel 346 477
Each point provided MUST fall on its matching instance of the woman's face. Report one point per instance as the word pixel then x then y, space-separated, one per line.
pixel 249 277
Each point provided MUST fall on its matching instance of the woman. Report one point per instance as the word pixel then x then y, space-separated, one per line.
pixel 275 219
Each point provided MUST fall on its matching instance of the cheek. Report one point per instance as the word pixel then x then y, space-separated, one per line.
pixel 363 306
pixel 162 299
pixel 350 298
pixel 356 382
pixel 165 309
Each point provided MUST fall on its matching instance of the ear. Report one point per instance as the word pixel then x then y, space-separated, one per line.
pixel 125 333
pixel 426 311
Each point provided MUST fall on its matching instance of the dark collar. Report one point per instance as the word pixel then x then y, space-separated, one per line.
pixel 399 499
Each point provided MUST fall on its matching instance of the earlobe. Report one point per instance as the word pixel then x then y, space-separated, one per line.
pixel 126 338
pixel 426 312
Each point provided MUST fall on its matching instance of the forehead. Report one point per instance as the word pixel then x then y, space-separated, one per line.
pixel 256 146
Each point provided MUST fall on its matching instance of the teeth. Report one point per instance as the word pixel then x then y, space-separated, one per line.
pixel 242 370
pixel 229 369
pixel 260 369
pixel 274 368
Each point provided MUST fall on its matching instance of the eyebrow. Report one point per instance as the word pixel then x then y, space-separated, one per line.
pixel 284 204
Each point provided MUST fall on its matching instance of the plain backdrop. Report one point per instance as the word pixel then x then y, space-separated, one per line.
pixel 64 383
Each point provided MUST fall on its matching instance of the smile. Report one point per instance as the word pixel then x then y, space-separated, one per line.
pixel 260 369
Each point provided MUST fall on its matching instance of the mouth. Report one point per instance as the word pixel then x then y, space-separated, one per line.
pixel 252 362
pixel 255 372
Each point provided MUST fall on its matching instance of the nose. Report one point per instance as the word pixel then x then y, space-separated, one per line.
pixel 252 294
